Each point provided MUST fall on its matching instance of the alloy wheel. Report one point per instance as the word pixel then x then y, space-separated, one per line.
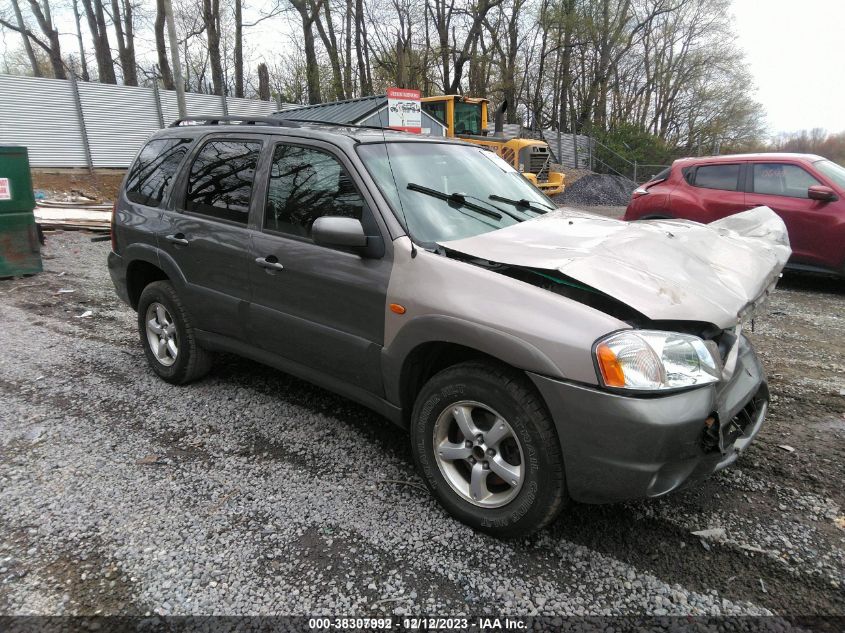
pixel 161 334
pixel 478 454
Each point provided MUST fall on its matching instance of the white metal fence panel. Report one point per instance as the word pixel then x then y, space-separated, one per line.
pixel 40 114
pixel 169 107
pixel 118 119
pixel 203 105
pixel 250 107
pixel 566 152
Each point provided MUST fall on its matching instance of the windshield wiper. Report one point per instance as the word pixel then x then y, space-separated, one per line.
pixel 522 203
pixel 455 198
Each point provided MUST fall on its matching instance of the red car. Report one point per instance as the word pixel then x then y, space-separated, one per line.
pixel 807 191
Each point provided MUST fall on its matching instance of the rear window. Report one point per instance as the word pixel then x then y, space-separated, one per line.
pixel 661 175
pixel 220 182
pixel 724 177
pixel 152 173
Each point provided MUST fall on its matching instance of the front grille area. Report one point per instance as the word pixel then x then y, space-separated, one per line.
pixel 737 426
pixel 538 163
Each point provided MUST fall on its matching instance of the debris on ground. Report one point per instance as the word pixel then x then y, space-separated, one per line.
pixel 96 218
pixel 597 189
pixel 712 534
pixel 786 447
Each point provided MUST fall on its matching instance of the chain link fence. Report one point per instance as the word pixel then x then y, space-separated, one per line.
pixel 80 124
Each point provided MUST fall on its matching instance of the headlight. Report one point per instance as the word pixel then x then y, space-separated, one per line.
pixel 648 360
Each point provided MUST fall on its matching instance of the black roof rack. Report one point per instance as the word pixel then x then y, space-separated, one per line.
pixel 296 122
pixel 242 120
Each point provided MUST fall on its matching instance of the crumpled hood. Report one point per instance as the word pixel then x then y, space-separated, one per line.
pixel 664 269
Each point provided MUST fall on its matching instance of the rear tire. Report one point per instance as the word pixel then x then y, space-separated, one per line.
pixel 507 480
pixel 167 335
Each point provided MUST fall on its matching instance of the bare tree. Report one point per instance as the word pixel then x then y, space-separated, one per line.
pixel 308 13
pixel 239 49
pixel 82 59
pixel 124 29
pixel 102 50
pixel 43 15
pixel 263 82
pixel 161 46
pixel 211 21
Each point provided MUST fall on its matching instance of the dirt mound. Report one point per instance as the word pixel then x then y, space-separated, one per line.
pixel 597 189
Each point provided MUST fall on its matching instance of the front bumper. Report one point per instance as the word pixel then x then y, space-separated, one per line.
pixel 617 447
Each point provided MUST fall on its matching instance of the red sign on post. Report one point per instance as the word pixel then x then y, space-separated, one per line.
pixel 403 110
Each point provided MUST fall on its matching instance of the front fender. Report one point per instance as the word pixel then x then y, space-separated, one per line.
pixel 448 329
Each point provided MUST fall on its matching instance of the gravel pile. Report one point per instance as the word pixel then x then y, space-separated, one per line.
pixel 597 189
pixel 253 493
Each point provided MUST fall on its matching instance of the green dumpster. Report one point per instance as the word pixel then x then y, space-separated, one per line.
pixel 19 249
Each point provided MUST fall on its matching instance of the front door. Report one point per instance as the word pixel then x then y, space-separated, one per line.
pixel 207 233
pixel 783 188
pixel 319 307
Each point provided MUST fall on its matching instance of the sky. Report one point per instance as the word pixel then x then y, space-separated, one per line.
pixel 796 52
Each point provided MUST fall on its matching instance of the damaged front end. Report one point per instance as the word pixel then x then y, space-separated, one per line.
pixel 681 387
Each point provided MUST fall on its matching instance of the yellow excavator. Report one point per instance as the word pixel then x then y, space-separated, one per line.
pixel 466 118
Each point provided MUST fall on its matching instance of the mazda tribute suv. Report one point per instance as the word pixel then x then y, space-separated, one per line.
pixel 535 355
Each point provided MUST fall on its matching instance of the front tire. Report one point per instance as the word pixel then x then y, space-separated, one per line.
pixel 487 449
pixel 167 335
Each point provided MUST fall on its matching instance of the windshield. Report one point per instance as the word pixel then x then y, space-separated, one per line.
pixel 467 118
pixel 447 168
pixel 833 171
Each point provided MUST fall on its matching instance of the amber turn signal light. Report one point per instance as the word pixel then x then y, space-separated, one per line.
pixel 397 308
pixel 611 370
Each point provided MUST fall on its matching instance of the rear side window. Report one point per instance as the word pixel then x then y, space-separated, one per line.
pixel 780 179
pixel 307 183
pixel 154 170
pixel 724 177
pixel 220 182
pixel 661 175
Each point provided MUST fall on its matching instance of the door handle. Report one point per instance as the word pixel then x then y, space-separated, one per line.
pixel 178 238
pixel 270 262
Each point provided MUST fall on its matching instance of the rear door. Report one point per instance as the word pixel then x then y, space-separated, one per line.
pixel 717 190
pixel 783 188
pixel 207 233
pixel 319 307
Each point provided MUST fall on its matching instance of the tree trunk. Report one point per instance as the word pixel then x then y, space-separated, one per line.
pixel 312 68
pixel 126 54
pixel 327 35
pixel 239 49
pixel 263 82
pixel 347 71
pixel 361 48
pixel 161 47
pixel 82 61
pixel 54 49
pixel 211 21
pixel 129 29
pixel 100 37
pixel 30 53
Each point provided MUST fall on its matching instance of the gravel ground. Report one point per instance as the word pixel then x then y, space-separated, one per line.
pixel 597 189
pixel 252 492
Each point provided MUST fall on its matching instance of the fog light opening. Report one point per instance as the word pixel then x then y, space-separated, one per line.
pixel 710 434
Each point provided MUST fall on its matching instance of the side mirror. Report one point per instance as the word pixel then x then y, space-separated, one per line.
pixel 338 231
pixel 821 193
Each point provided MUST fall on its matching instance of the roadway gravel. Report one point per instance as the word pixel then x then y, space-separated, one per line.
pixel 252 492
